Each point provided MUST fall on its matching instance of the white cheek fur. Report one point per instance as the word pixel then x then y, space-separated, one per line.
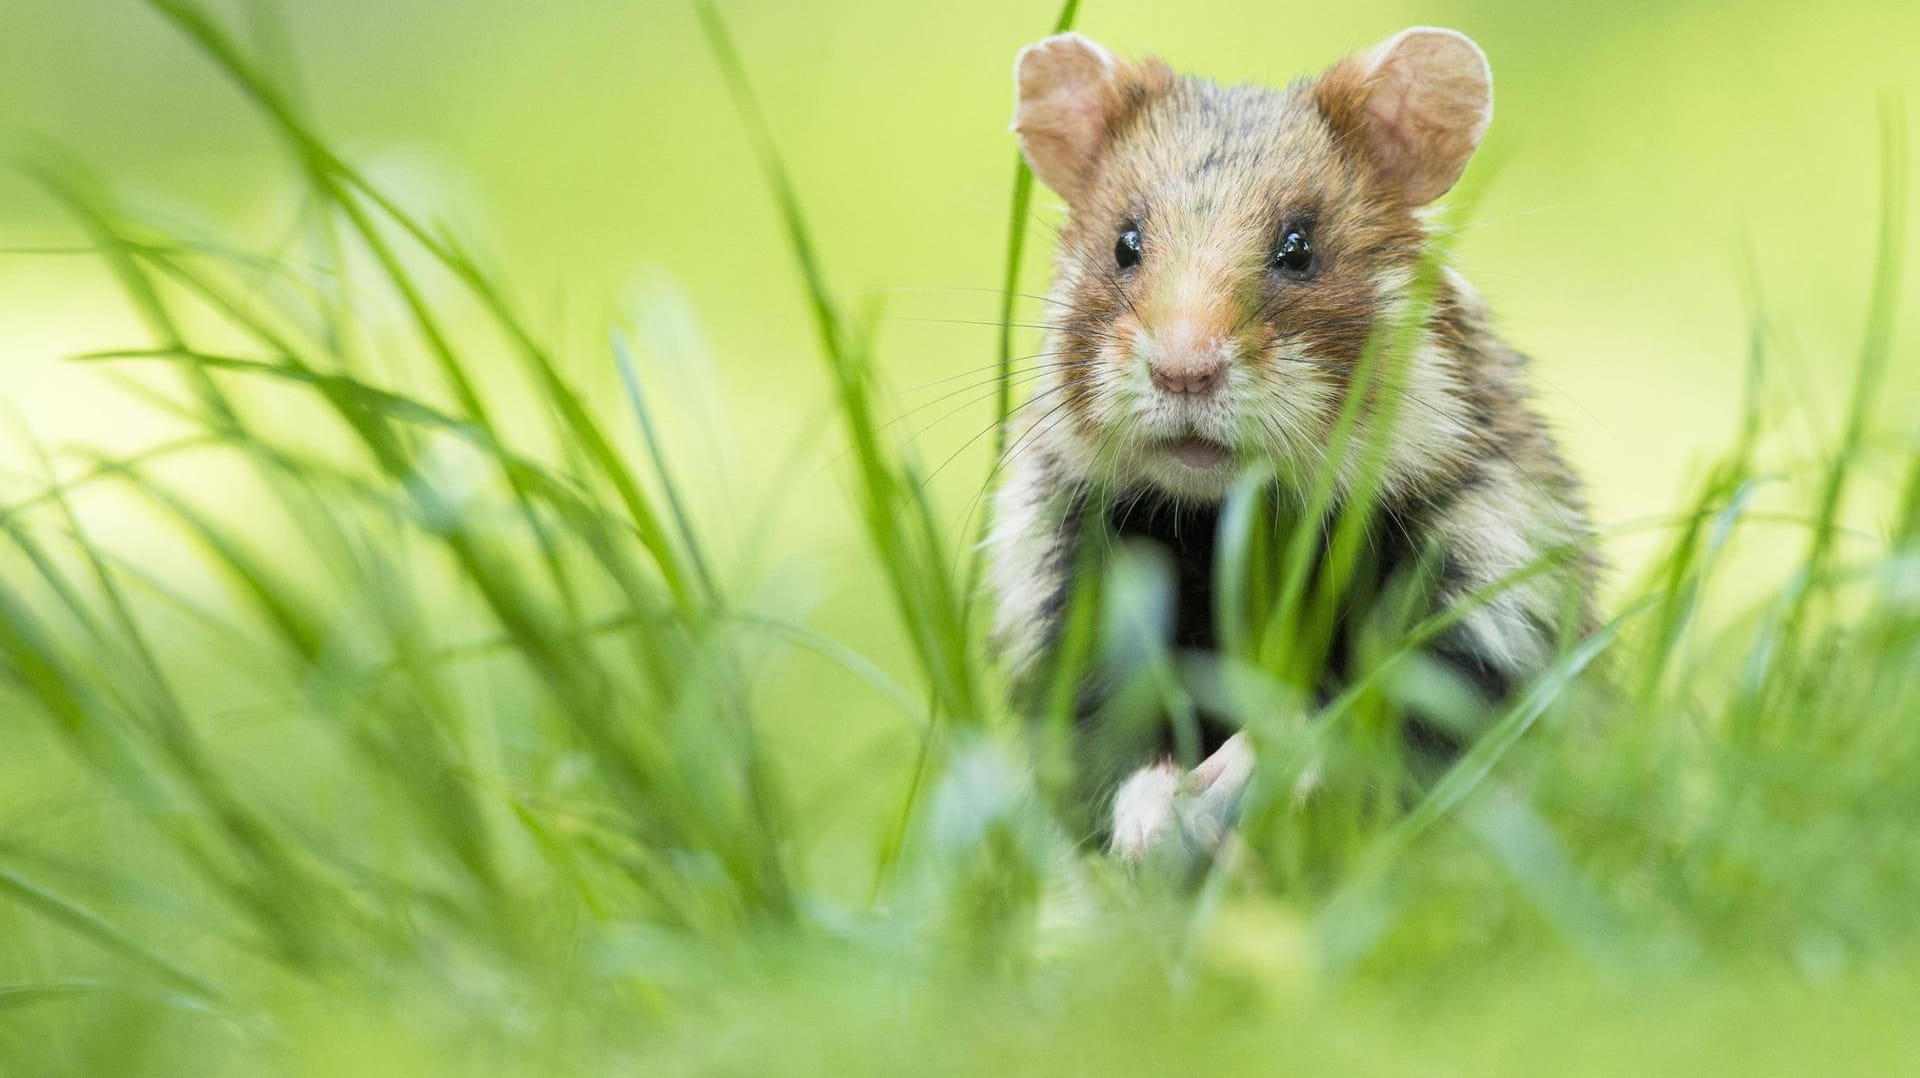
pixel 1276 410
pixel 1271 410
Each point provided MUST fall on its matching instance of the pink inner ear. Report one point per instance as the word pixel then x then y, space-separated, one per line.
pixel 1429 102
pixel 1065 87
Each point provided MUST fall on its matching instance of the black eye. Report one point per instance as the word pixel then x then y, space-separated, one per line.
pixel 1295 254
pixel 1126 252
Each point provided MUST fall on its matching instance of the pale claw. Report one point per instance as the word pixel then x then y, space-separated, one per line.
pixel 1157 805
pixel 1211 801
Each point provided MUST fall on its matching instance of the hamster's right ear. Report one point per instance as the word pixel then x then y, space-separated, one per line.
pixel 1070 95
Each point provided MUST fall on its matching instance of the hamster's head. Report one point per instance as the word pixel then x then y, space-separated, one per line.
pixel 1229 251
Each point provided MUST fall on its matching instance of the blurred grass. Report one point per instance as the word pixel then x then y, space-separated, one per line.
pixel 411 690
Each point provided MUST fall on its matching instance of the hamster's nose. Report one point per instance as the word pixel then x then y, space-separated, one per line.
pixel 1190 361
pixel 1188 379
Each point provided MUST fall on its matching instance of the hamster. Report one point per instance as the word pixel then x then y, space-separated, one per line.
pixel 1229 251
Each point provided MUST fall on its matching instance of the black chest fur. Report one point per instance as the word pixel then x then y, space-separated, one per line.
pixel 1187 534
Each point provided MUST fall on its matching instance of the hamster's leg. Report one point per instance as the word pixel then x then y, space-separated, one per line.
pixel 1159 808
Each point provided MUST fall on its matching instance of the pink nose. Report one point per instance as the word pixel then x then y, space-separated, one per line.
pixel 1195 377
pixel 1190 360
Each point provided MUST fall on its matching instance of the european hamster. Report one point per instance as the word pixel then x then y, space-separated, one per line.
pixel 1228 253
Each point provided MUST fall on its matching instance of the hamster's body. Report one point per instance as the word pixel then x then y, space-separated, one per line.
pixel 1230 253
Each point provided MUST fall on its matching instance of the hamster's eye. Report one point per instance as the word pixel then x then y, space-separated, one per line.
pixel 1295 254
pixel 1126 252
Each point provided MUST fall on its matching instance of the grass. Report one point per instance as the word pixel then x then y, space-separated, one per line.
pixel 469 768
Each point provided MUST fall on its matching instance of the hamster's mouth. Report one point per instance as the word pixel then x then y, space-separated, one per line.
pixel 1197 453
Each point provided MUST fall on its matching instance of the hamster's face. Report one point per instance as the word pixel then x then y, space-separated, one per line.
pixel 1228 253
pixel 1218 283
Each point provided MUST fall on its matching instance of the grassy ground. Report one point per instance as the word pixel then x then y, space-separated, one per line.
pixel 474 762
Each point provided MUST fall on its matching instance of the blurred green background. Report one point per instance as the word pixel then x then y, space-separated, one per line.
pixel 1647 153
pixel 1664 173
pixel 1660 179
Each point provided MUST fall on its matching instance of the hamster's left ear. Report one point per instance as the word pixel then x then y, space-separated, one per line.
pixel 1416 105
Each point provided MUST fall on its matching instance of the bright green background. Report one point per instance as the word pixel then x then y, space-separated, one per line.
pixel 1646 153
pixel 1666 175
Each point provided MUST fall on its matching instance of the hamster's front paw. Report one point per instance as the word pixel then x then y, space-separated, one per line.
pixel 1210 802
pixel 1159 807
pixel 1143 811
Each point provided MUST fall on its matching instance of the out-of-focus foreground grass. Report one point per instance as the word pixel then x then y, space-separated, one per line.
pixel 401 674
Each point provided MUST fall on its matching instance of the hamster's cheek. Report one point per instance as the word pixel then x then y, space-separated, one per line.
pixel 1285 405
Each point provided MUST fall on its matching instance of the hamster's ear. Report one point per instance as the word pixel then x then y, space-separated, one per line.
pixel 1070 94
pixel 1416 104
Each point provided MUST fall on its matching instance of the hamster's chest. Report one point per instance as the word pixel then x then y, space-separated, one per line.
pixel 1187 535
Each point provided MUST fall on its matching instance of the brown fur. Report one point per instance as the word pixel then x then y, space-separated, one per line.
pixel 1205 144
pixel 1213 177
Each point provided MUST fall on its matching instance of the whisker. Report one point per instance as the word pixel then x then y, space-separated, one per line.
pixel 1054 301
pixel 1026 378
pixel 1004 457
pixel 1122 293
pixel 993 379
pixel 993 367
pixel 1058 234
pixel 1013 450
pixel 1058 327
